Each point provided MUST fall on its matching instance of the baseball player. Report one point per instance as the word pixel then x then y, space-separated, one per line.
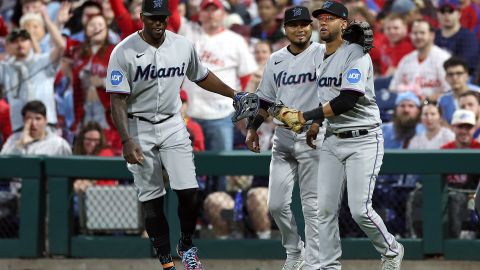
pixel 353 145
pixel 144 77
pixel 289 77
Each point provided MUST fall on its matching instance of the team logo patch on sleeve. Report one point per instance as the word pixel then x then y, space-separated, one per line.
pixel 116 77
pixel 353 76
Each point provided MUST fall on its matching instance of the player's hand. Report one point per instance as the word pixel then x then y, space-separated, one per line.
pixel 312 135
pixel 252 141
pixel 132 152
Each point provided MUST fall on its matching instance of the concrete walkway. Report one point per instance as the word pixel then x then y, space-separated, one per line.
pixel 129 264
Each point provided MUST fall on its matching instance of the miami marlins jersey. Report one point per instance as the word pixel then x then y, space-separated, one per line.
pixel 349 68
pixel 153 76
pixel 291 79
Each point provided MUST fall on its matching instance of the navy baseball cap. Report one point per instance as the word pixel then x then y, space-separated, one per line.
pixel 155 8
pixel 333 8
pixel 297 13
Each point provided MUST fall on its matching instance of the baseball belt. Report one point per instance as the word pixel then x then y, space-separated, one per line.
pixel 351 133
pixel 131 116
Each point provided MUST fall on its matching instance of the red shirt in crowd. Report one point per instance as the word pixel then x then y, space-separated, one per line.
pixel 468 17
pixel 106 152
pixel 466 181
pixel 390 55
pixel 5 124
pixel 196 134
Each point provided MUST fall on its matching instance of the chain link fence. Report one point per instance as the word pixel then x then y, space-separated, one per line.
pixel 9 208
pixel 107 209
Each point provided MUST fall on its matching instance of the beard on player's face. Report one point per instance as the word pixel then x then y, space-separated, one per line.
pixel 301 44
pixel 330 35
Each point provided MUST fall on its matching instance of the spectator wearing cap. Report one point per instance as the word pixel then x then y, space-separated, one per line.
pixel 422 70
pixel 227 55
pixel 468 15
pixel 463 125
pixel 406 117
pixel 470 100
pixel 28 76
pixel 454 38
pixel 396 46
pixel 195 130
pixel 456 72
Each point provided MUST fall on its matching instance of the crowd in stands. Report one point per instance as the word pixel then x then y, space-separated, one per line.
pixel 54 57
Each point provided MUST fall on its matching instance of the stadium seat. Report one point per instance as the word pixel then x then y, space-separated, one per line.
pixel 385 99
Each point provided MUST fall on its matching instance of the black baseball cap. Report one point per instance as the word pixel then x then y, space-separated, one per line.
pixel 155 8
pixel 297 13
pixel 18 33
pixel 333 8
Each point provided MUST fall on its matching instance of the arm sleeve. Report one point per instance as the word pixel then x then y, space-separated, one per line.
pixel 345 101
pixel 116 80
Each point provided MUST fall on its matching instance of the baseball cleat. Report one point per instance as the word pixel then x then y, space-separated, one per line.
pixel 393 263
pixel 294 263
pixel 190 259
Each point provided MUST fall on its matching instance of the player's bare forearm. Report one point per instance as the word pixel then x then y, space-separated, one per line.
pixel 213 84
pixel 119 114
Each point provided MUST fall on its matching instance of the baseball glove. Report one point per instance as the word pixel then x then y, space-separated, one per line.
pixel 360 33
pixel 245 104
pixel 288 116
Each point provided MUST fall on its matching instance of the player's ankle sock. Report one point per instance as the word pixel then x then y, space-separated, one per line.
pixel 166 261
pixel 185 242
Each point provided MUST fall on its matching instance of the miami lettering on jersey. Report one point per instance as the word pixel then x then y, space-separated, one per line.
pixel 150 72
pixel 283 78
pixel 329 81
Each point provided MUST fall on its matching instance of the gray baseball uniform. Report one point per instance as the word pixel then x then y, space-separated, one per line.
pixel 291 79
pixel 152 78
pixel 356 158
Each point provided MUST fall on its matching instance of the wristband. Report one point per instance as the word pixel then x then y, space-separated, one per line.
pixel 316 113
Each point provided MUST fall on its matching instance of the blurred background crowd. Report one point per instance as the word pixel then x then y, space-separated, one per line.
pixel 54 57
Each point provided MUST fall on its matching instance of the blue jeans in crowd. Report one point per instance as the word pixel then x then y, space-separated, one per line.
pixel 218 137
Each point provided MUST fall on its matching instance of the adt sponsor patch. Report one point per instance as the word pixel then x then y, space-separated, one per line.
pixel 116 77
pixel 353 76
